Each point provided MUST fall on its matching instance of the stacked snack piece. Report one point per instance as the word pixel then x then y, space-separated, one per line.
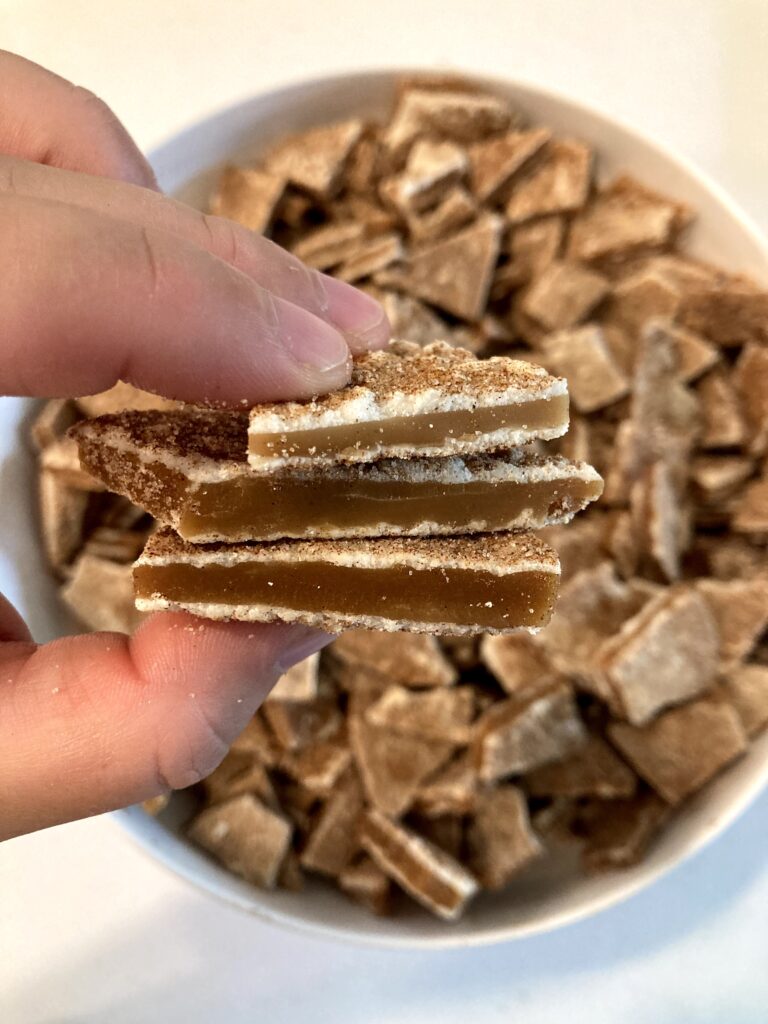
pixel 190 471
pixel 394 485
pixel 442 766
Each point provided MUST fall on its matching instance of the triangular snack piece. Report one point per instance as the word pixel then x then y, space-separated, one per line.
pixel 494 161
pixel 248 196
pixel 451 790
pixel 443 114
pixel 557 184
pixel 665 654
pixel 455 210
pixel 332 841
pixel 747 689
pixel 501 840
pixel 593 770
pixel 438 714
pixel 315 159
pixel 740 609
pixel 518 734
pixel 623 218
pixel 246 836
pixel 393 766
pixel 684 748
pixel 455 273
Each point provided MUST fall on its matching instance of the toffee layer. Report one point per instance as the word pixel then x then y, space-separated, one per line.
pixel 461 430
pixel 497 583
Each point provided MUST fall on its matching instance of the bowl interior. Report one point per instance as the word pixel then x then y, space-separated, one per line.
pixel 550 893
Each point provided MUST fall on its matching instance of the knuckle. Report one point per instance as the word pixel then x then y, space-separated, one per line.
pixel 152 261
pixel 225 238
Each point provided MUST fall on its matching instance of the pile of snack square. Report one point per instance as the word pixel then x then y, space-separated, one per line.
pixel 440 767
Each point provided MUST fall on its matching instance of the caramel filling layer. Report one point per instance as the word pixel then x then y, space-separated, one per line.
pixel 458 596
pixel 434 429
pixel 256 508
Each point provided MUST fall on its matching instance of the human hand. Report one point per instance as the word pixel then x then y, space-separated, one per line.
pixel 103 280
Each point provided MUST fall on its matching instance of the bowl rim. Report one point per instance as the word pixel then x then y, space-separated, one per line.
pixel 161 844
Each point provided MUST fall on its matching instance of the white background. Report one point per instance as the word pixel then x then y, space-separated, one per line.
pixel 91 931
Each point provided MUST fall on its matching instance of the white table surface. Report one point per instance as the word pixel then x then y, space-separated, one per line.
pixel 92 931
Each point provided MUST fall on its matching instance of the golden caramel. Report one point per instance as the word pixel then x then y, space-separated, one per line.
pixel 432 430
pixel 464 597
pixel 260 509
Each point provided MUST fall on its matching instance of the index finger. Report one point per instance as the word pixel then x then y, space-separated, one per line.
pixel 86 299
pixel 357 315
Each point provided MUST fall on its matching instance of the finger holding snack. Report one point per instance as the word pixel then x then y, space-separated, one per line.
pixel 106 280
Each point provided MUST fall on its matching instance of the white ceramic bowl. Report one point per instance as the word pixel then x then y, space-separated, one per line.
pixel 552 893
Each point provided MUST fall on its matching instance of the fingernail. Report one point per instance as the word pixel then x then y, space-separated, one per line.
pixel 359 316
pixel 300 644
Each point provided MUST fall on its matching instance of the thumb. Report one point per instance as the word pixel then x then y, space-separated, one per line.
pixel 95 722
